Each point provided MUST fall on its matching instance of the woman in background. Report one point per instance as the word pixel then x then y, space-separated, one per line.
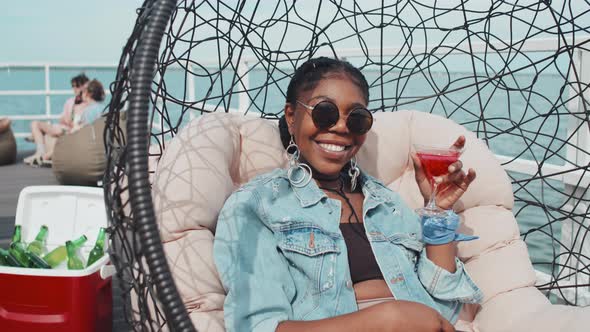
pixel 92 97
pixel 39 129
pixel 83 112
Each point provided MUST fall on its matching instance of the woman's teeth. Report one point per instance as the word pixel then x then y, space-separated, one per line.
pixel 332 147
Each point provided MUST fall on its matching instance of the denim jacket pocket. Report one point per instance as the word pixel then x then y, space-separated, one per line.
pixel 311 252
pixel 306 239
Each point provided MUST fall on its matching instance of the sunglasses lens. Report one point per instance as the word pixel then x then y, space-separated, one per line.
pixel 359 121
pixel 325 115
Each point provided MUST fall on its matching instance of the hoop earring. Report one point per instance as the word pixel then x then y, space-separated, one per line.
pixel 353 172
pixel 295 165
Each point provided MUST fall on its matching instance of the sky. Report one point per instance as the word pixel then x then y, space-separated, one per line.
pixel 95 31
pixel 67 31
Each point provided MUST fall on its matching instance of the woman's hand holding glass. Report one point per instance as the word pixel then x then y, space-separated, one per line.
pixel 450 186
pixel 440 227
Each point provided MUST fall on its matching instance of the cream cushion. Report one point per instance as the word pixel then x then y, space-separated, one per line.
pixel 216 153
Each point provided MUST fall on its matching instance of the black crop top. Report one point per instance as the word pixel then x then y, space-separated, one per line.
pixel 361 259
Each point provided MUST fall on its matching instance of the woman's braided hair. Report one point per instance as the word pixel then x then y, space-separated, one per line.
pixel 309 74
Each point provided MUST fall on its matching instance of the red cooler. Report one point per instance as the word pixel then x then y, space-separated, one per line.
pixel 47 300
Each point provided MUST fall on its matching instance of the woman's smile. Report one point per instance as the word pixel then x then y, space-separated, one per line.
pixel 333 150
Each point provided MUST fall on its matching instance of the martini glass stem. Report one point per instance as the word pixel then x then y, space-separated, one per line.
pixel 432 201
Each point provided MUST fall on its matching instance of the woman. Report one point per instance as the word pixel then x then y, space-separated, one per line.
pixel 297 248
pixel 40 129
pixel 92 97
pixel 84 112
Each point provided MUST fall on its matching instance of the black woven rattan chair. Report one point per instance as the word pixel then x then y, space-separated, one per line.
pixel 514 73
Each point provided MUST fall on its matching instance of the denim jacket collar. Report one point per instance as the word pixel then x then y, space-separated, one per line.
pixel 308 195
pixel 311 194
pixel 373 188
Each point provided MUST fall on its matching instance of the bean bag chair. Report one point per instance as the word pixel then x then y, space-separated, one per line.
pixel 7 143
pixel 79 158
pixel 216 153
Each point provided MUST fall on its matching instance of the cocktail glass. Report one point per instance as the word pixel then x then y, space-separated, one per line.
pixel 435 161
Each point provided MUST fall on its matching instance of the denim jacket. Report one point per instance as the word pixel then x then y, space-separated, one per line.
pixel 281 255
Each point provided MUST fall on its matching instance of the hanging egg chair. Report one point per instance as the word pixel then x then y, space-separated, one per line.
pixel 204 82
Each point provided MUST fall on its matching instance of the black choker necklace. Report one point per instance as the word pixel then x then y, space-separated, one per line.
pixel 334 184
pixel 321 177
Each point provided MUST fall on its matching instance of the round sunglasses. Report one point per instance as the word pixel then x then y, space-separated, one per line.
pixel 325 115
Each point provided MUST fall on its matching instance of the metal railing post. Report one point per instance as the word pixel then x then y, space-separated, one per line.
pixel 244 79
pixel 47 92
pixel 191 90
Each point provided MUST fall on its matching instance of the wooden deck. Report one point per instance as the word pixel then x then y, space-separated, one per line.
pixel 13 179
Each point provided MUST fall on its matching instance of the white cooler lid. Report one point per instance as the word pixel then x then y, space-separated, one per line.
pixel 69 212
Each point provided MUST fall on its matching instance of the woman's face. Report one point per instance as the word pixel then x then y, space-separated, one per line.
pixel 328 150
pixel 77 88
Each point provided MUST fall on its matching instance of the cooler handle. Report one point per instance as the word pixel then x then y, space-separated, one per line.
pixel 107 271
pixel 32 318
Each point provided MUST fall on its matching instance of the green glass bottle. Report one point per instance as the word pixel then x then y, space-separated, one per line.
pixel 38 245
pixel 98 251
pixel 74 262
pixel 6 259
pixel 16 236
pixel 18 252
pixel 37 262
pixel 59 254
pixel 17 248
pixel 3 261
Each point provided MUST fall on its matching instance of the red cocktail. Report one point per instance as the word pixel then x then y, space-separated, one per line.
pixel 435 162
